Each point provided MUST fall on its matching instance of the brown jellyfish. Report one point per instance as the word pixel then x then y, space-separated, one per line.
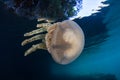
pixel 63 40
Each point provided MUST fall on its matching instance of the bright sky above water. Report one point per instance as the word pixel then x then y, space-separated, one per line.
pixel 89 7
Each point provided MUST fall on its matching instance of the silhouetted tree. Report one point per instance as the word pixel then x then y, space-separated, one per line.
pixel 56 9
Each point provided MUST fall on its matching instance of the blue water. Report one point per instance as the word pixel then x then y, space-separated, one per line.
pixel 101 54
pixel 103 57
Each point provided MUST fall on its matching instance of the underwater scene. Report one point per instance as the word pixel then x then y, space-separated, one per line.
pixel 95 54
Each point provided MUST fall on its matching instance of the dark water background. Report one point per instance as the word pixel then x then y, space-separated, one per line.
pixel 101 55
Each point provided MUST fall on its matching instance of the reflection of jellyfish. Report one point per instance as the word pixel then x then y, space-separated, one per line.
pixel 64 41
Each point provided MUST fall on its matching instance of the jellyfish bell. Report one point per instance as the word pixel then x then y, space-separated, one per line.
pixel 65 41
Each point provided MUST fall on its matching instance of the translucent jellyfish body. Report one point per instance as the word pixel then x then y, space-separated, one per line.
pixel 64 40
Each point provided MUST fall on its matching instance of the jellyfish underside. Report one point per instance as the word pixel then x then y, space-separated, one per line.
pixel 63 40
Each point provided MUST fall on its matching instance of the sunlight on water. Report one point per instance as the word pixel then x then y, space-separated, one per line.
pixel 89 7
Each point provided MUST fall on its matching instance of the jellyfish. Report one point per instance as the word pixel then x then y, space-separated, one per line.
pixel 63 40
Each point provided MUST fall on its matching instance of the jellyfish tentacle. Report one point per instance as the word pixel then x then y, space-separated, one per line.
pixel 44 25
pixel 48 20
pixel 34 38
pixel 52 27
pixel 43 40
pixel 34 48
pixel 35 32
pixel 41 19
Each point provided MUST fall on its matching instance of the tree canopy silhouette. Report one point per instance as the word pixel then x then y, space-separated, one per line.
pixel 56 9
